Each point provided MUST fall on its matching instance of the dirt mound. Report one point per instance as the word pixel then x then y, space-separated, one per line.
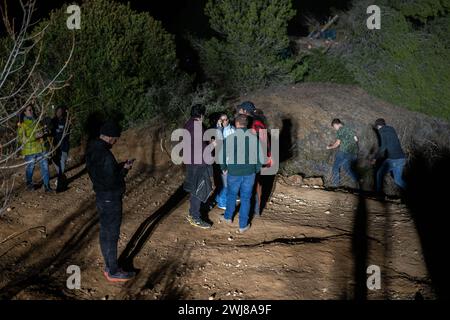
pixel 303 114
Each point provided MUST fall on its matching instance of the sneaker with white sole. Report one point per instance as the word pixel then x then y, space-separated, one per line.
pixel 242 230
pixel 198 222
pixel 119 276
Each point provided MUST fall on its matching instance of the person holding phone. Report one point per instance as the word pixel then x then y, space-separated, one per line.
pixel 226 129
pixel 108 179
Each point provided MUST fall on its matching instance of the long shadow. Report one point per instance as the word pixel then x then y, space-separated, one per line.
pixel 427 177
pixel 145 230
pixel 286 152
pixel 360 249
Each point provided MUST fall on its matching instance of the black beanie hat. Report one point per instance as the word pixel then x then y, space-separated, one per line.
pixel 110 129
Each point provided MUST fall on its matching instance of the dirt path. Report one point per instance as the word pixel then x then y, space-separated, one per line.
pixel 309 244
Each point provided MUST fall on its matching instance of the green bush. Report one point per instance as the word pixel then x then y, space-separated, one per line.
pixel 323 67
pixel 124 63
pixel 421 10
pixel 403 63
pixel 252 45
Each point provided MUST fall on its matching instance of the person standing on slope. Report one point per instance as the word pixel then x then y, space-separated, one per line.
pixel 346 157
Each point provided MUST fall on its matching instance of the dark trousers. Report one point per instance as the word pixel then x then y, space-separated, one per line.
pixel 196 205
pixel 110 214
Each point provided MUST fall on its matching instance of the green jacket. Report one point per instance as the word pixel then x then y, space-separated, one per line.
pixel 26 137
pixel 250 147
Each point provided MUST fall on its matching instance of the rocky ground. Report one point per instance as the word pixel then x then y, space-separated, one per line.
pixel 309 244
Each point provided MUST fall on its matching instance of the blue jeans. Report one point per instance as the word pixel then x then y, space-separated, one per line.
pixel 109 209
pixel 43 163
pixel 244 184
pixel 346 161
pixel 394 166
pixel 221 197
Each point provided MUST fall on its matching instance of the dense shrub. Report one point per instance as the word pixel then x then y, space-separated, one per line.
pixel 405 63
pixel 323 67
pixel 251 48
pixel 124 64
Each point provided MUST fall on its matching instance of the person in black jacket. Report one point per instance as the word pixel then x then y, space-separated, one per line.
pixel 108 179
pixel 391 153
pixel 60 134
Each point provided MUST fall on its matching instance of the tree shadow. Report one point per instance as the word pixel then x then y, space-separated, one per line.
pixel 426 197
pixel 38 271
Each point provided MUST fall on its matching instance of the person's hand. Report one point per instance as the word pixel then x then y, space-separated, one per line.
pixel 328 147
pixel 128 164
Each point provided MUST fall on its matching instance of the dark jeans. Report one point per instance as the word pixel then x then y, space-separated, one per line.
pixel 196 205
pixel 110 214
pixel 394 166
pixel 346 161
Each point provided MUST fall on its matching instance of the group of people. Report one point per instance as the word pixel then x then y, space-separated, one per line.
pixel 390 155
pixel 108 179
pixel 239 180
pixel 41 141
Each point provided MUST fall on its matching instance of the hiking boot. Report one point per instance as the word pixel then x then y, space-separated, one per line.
pixel 223 219
pixel 30 187
pixel 119 276
pixel 196 222
pixel 242 230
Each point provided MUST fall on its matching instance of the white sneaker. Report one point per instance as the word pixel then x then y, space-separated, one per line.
pixel 242 230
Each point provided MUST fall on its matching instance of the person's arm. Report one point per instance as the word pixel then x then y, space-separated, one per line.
pixel 259 162
pixel 383 146
pixel 223 165
pixel 20 133
pixel 336 144
pixel 111 171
